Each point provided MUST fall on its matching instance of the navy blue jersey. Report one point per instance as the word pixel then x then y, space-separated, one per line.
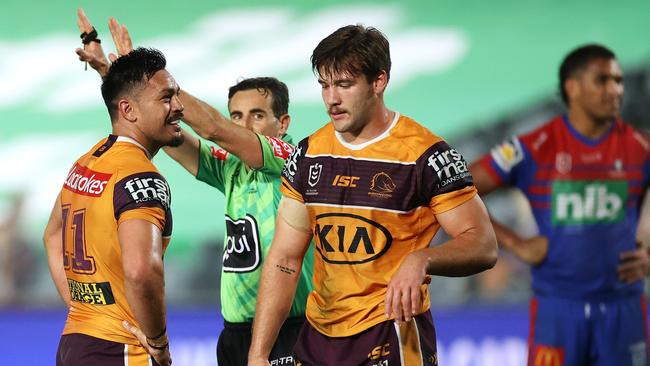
pixel 585 196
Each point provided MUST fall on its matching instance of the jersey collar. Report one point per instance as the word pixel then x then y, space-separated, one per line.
pixel 134 142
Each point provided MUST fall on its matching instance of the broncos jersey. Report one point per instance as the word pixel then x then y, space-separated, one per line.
pixel 114 182
pixel 585 196
pixel 370 205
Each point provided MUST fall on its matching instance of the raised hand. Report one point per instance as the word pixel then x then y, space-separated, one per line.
pixel 92 53
pixel 121 38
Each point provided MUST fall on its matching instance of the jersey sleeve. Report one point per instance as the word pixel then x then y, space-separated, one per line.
pixel 212 161
pixel 504 162
pixel 144 195
pixel 445 178
pixel 292 173
pixel 275 152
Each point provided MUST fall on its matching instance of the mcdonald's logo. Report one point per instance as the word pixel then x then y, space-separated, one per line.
pixel 548 356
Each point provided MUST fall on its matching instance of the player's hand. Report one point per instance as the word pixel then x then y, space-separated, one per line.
pixel 162 356
pixel 93 53
pixel 403 294
pixel 635 265
pixel 121 38
pixel 532 251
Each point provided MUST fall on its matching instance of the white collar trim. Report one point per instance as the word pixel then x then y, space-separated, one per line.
pixel 134 142
pixel 370 142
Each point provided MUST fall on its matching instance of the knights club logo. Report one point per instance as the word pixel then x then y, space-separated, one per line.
pixel 314 174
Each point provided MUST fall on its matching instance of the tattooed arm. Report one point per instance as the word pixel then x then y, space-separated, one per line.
pixel 280 276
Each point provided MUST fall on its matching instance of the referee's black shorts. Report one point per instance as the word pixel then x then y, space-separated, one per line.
pixel 235 340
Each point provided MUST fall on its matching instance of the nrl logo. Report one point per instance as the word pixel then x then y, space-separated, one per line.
pixel 314 174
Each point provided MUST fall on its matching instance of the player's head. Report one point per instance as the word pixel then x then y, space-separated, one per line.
pixel 142 98
pixel 261 105
pixel 591 80
pixel 353 68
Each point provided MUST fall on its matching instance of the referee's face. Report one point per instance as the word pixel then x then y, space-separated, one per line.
pixel 252 109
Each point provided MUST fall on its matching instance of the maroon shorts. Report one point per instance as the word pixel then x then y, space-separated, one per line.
pixel 80 349
pixel 385 344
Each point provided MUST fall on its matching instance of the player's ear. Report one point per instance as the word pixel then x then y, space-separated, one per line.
pixel 572 88
pixel 380 82
pixel 126 110
pixel 285 120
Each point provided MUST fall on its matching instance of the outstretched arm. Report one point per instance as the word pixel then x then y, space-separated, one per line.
pixel 533 250
pixel 205 120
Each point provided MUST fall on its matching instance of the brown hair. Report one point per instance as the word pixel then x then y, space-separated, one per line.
pixel 353 49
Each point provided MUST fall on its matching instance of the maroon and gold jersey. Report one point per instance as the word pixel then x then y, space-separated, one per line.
pixel 370 205
pixel 114 182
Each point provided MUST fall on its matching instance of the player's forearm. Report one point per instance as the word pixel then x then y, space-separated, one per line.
pixel 470 252
pixel 145 292
pixel 205 120
pixel 277 288
pixel 211 125
pixel 505 236
pixel 53 248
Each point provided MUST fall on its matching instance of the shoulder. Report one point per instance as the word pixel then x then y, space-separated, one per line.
pixel 634 138
pixel 417 139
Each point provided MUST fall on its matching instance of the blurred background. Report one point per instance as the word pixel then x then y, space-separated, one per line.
pixel 473 72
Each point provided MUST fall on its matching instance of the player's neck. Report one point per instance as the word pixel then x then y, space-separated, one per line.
pixel 588 126
pixel 138 136
pixel 380 121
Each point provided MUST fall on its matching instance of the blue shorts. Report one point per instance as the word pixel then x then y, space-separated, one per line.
pixel 574 333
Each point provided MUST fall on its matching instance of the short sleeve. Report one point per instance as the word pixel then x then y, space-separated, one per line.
pixel 275 152
pixel 504 161
pixel 144 195
pixel 445 178
pixel 212 161
pixel 291 173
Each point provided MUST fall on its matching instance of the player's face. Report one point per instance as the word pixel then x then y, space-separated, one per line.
pixel 160 110
pixel 349 100
pixel 599 89
pixel 253 110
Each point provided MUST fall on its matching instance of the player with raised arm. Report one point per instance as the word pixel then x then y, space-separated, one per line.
pixel 112 222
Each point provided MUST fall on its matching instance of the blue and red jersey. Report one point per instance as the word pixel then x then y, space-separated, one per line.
pixel 585 195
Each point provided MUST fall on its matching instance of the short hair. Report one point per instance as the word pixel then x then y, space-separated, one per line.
pixel 266 85
pixel 353 49
pixel 128 73
pixel 577 60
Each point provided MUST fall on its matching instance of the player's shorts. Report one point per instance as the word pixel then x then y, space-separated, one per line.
pixel 385 344
pixel 80 350
pixel 568 332
pixel 235 340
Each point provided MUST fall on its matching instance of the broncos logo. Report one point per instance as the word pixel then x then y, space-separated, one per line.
pixel 382 183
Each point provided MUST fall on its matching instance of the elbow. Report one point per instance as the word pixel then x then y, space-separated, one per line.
pixel 139 274
pixel 490 252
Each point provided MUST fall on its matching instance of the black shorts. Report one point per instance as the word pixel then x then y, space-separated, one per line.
pixel 385 344
pixel 81 350
pixel 235 340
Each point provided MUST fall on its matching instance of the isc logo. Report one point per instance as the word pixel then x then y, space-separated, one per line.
pixel 345 181
pixel 579 202
pixel 343 238
pixel 379 351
